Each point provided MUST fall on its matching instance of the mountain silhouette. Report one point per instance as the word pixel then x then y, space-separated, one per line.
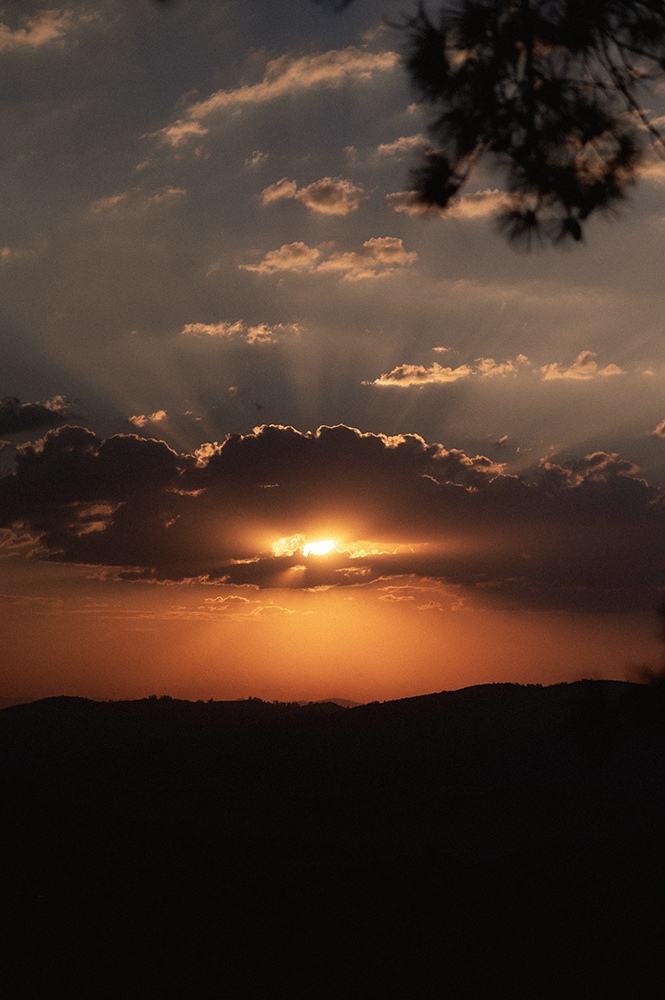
pixel 499 834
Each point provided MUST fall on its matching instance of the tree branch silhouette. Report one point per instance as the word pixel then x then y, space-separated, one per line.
pixel 549 91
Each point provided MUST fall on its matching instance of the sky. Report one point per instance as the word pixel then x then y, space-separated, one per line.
pixel 267 428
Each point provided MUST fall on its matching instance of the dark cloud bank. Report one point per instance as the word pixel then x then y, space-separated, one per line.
pixel 586 534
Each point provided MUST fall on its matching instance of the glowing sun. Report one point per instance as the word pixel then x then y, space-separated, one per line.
pixel 319 548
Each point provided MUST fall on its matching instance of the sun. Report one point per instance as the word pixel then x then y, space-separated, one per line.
pixel 319 548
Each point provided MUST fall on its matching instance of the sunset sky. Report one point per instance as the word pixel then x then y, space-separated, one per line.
pixel 228 334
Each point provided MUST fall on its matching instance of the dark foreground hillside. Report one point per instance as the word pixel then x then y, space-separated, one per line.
pixel 499 838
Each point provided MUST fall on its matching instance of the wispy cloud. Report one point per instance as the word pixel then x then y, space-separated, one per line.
pixel 289 75
pixel 136 200
pixel 179 132
pixel 41 29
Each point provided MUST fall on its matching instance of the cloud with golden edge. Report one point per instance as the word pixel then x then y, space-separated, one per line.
pixel 135 201
pixel 262 333
pixel 329 196
pixel 583 368
pixel 141 420
pixel 402 145
pixel 288 75
pixel 477 205
pixel 584 533
pixel 410 375
pixel 376 257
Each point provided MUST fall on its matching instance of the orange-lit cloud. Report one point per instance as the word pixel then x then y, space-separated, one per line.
pixel 180 132
pixel 290 257
pixel 135 201
pixel 141 420
pixel 288 75
pixel 377 257
pixel 477 205
pixel 583 368
pixel 41 29
pixel 329 196
pixel 408 375
pixel 262 333
pixel 404 144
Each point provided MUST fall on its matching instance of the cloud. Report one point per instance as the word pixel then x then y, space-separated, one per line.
pixel 583 368
pixel 281 189
pixel 581 533
pixel 330 196
pixel 262 333
pixel 287 75
pixel 402 145
pixel 478 205
pixel 226 602
pixel 270 611
pixel 142 420
pixel 135 201
pixel 256 159
pixel 376 257
pixel 408 375
pixel 41 29
pixel 179 133
pixel 290 257
pixel 17 417
pixel 659 431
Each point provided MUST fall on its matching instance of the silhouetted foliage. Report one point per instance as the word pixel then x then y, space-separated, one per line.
pixel 550 90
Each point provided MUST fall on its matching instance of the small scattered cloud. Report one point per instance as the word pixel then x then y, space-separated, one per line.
pixel 376 257
pixel 142 420
pixel 281 189
pixel 290 257
pixel 228 601
pixel 659 431
pixel 270 611
pixel 329 196
pixel 135 201
pixel 262 333
pixel 256 159
pixel 409 375
pixel 583 368
pixel 477 205
pixel 400 146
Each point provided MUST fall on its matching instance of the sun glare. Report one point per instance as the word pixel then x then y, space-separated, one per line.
pixel 319 548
